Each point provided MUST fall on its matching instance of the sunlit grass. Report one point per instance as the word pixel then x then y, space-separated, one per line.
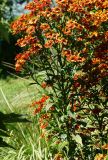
pixel 16 95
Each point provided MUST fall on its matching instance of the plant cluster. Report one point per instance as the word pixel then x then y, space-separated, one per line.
pixel 67 41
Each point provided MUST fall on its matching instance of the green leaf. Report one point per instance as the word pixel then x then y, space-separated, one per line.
pixel 12 118
pixel 82 123
pixel 63 136
pixel 78 139
pixel 62 145
pixel 107 158
pixel 4 144
pixel 48 106
pixel 72 115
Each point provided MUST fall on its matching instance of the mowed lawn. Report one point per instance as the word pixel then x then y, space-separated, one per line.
pixel 16 94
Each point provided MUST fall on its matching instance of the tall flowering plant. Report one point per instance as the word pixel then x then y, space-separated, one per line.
pixel 67 41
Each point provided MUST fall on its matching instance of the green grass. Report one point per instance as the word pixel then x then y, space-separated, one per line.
pixel 16 95
pixel 17 92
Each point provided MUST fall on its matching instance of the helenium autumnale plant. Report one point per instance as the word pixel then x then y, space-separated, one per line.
pixel 66 42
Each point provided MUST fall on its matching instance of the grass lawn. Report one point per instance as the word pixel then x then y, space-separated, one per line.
pixel 16 95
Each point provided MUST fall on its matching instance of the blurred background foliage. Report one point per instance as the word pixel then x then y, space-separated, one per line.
pixel 9 10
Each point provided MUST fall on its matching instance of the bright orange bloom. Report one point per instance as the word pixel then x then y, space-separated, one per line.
pixel 43 125
pixel 30 30
pixel 105 146
pixel 18 67
pixel 100 157
pixel 41 101
pixel 96 61
pixel 38 109
pixel 44 85
pixel 49 43
pixel 27 40
pixel 44 26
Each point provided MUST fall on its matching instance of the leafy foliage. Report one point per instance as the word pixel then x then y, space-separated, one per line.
pixel 68 42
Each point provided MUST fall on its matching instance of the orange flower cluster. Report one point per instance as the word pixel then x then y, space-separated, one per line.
pixel 44 120
pixel 20 24
pixel 70 26
pixel 72 57
pixel 21 59
pixel 81 19
pixel 37 5
pixel 40 104
pixel 70 40
pixel 101 157
pixel 27 40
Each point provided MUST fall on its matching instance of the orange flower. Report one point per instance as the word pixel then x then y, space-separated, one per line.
pixel 31 6
pixel 105 146
pixel 52 108
pixel 76 76
pixel 74 108
pixel 44 85
pixel 49 35
pixel 95 60
pixel 99 17
pixel 27 40
pixel 100 157
pixel 18 56
pixel 66 53
pixel 18 67
pixel 67 32
pixel 43 125
pixel 25 55
pixel 58 157
pixel 75 58
pixel 93 34
pixel 21 61
pixel 30 30
pixel 41 101
pixel 71 24
pixel 49 44
pixel 44 98
pixel 56 10
pixel 44 26
pixel 62 3
pixel 37 110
